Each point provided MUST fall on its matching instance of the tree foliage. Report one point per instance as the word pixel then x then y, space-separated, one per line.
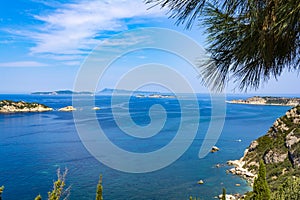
pixel 184 11
pixel 99 195
pixel 289 190
pixel 249 40
pixel 59 191
pixel 224 194
pixel 38 197
pixel 1 191
pixel 261 189
pixel 194 198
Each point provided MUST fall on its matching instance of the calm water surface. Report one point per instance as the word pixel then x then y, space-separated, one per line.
pixel 34 145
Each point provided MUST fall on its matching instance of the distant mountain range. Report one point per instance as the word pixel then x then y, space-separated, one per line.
pixel 106 91
pixel 109 91
pixel 62 92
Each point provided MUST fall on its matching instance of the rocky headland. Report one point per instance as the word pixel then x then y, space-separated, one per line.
pixel 278 101
pixel 279 149
pixel 7 106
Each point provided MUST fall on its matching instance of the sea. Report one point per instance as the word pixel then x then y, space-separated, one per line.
pixel 33 146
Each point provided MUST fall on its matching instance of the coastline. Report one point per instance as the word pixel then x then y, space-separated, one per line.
pixel 63 131
pixel 10 107
pixel 278 149
pixel 240 170
pixel 258 104
pixel 267 100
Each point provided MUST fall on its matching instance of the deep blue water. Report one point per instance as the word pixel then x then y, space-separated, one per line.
pixel 34 145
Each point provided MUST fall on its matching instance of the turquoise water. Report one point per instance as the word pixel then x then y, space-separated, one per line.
pixel 34 145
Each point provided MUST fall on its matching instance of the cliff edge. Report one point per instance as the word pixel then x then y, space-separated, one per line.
pixel 279 149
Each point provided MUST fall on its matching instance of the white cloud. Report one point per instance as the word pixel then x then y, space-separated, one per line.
pixel 126 40
pixel 6 42
pixel 23 64
pixel 72 63
pixel 71 29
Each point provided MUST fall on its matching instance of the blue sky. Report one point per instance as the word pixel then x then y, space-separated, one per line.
pixel 44 43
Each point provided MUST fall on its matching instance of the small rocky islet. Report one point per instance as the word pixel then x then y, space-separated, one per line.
pixel 8 106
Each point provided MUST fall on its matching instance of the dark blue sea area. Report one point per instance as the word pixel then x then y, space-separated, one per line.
pixel 34 145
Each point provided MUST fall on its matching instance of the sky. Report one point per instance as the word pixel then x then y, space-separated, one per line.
pixel 44 44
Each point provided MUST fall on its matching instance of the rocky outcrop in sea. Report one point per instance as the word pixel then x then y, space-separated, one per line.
pixel 7 106
pixel 67 109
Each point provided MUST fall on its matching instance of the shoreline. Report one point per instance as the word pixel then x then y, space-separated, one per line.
pixel 267 100
pixel 11 107
pixel 240 170
pixel 259 104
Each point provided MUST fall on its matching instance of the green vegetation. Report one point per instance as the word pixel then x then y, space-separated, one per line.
pixel 261 189
pixel 58 191
pixel 20 104
pixel 99 192
pixel 280 100
pixel 224 194
pixel 288 190
pixel 279 149
pixel 1 191
pixel 266 100
pixel 265 143
pixel 286 128
pixel 194 198
pixel 38 197
pixel 249 41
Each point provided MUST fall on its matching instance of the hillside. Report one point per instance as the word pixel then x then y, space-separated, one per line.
pixel 279 149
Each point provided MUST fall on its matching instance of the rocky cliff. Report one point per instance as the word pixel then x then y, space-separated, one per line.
pixel 279 149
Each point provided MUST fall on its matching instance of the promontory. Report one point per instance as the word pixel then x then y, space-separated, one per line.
pixel 279 149
pixel 268 100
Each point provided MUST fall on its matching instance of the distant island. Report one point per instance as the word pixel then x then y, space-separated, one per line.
pixel 110 91
pixel 156 96
pixel 105 92
pixel 136 93
pixel 268 100
pixel 62 92
pixel 7 106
